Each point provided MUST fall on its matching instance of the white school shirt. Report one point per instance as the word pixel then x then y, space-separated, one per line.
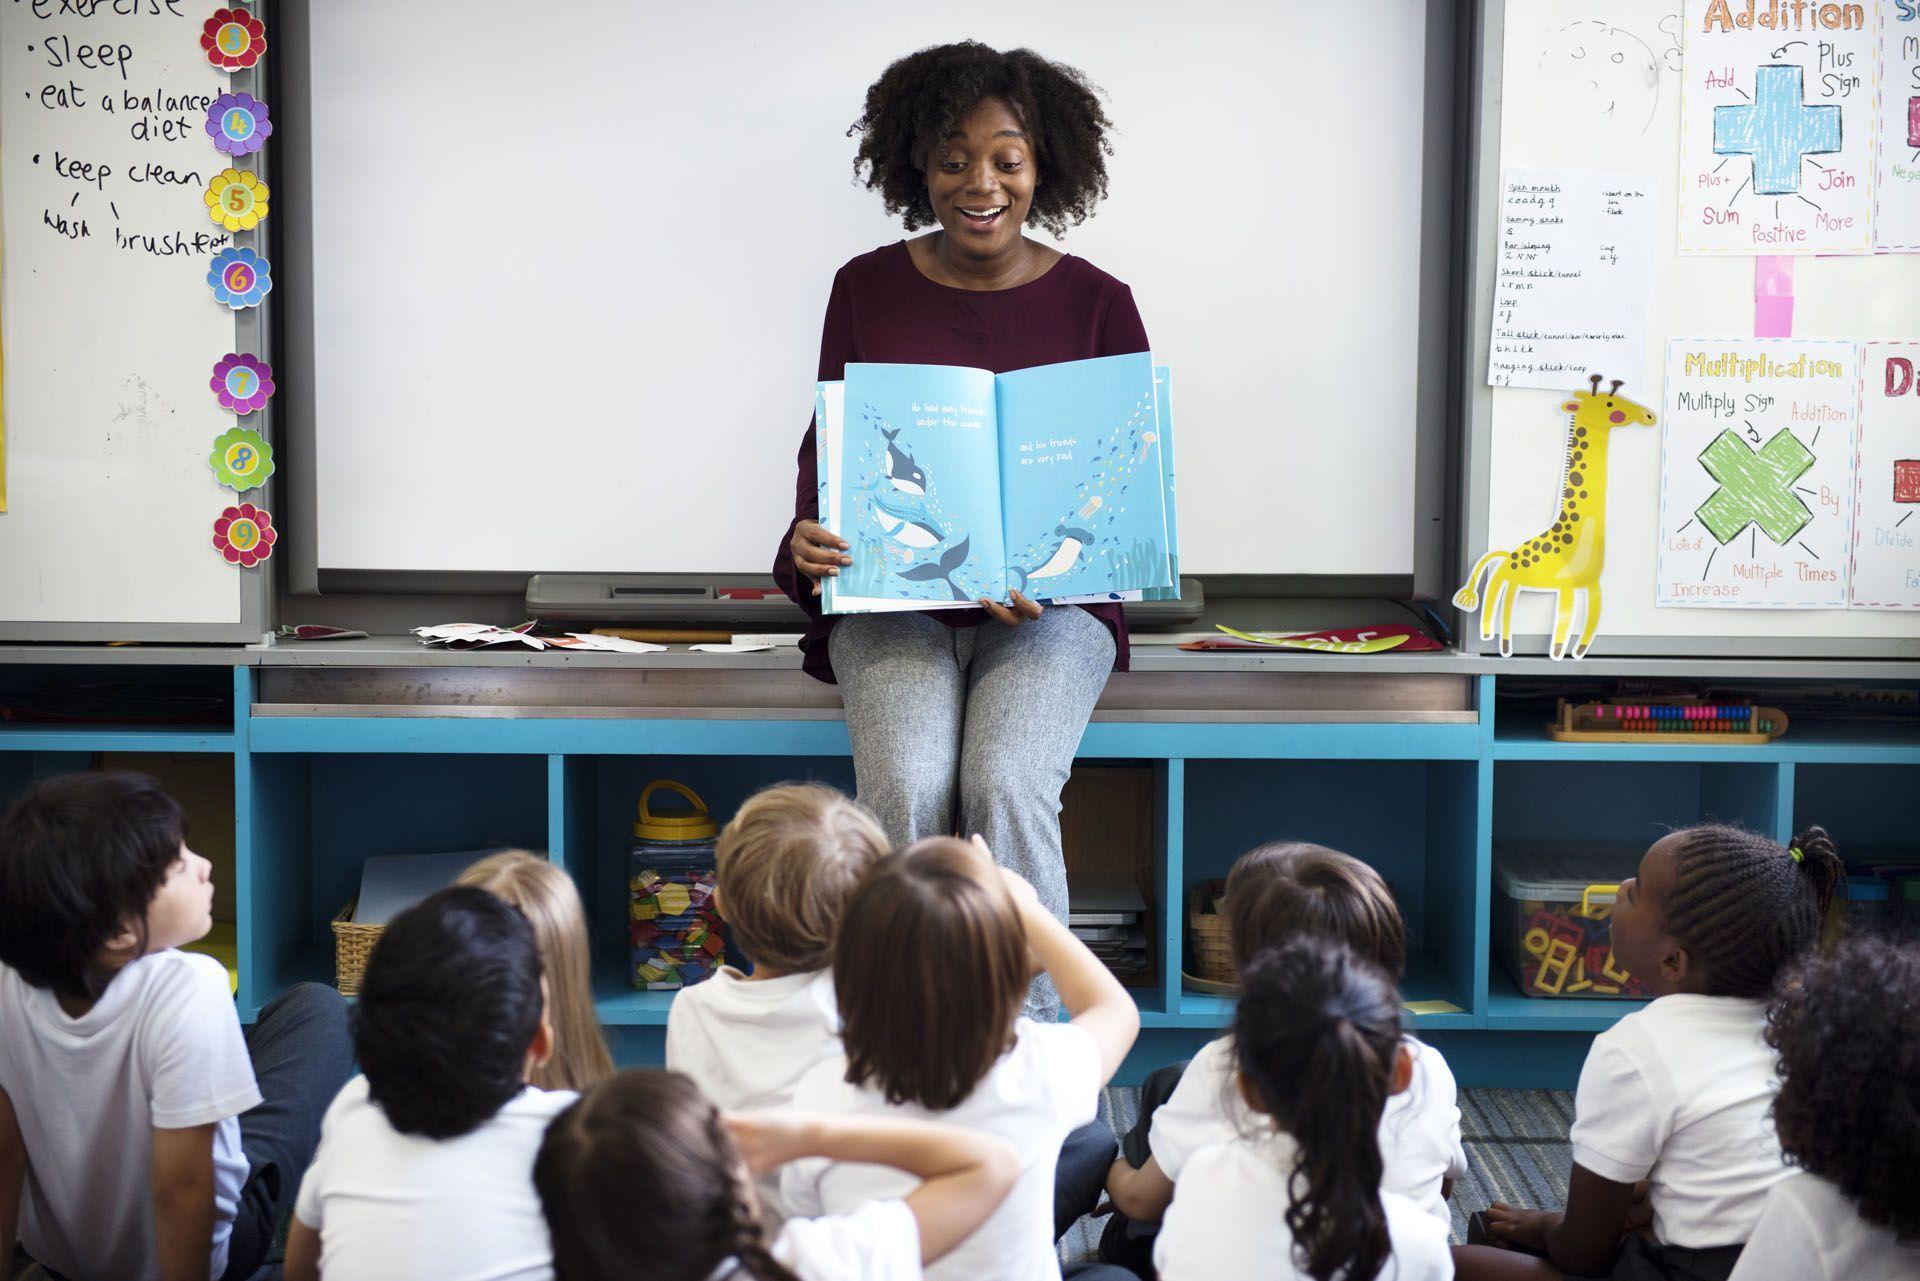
pixel 160 1049
pixel 1419 1129
pixel 1229 1220
pixel 1678 1094
pixel 1044 1087
pixel 1810 1231
pixel 748 1042
pixel 880 1241
pixel 388 1204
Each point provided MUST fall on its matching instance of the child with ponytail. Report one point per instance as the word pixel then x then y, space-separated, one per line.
pixel 1677 1094
pixel 1318 1051
pixel 653 1136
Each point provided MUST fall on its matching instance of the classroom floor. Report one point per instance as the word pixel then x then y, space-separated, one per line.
pixel 1516 1144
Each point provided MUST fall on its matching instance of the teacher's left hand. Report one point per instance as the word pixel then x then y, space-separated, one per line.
pixel 1022 610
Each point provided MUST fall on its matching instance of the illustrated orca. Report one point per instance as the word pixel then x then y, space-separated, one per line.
pixel 904 474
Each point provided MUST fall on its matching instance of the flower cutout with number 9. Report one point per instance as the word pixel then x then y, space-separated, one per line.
pixel 240 278
pixel 241 459
pixel 236 199
pixel 238 123
pixel 234 39
pixel 243 383
pixel 244 535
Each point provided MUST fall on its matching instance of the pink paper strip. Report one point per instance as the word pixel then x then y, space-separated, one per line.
pixel 1773 296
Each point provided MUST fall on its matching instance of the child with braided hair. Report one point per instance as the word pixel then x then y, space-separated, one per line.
pixel 645 1133
pixel 1677 1094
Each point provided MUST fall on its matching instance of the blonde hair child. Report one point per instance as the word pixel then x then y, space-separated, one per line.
pixel 546 896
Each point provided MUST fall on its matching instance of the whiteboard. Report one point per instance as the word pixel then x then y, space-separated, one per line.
pixel 1545 117
pixel 568 276
pixel 109 344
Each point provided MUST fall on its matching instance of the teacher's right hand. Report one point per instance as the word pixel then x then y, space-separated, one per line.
pixel 817 551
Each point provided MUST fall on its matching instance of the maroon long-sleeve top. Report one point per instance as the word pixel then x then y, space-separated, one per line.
pixel 882 309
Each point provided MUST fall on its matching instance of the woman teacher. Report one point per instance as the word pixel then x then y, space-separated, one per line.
pixel 983 707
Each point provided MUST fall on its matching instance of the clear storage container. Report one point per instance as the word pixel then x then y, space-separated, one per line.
pixel 1552 918
pixel 675 933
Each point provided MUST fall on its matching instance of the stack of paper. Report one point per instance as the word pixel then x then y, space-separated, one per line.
pixel 1109 924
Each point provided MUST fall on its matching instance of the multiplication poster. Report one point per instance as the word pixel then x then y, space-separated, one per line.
pixel 1756 471
pixel 1886 529
pixel 1896 213
pixel 1777 126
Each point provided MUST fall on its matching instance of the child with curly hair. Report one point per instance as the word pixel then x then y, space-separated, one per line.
pixel 1847 1026
pixel 1677 1093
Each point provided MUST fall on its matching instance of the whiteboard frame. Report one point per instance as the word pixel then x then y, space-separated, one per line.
pixel 1476 319
pixel 1436 488
pixel 254 330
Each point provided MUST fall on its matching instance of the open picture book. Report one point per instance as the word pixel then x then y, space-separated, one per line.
pixel 950 484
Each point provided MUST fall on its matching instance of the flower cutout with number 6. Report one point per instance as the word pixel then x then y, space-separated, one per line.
pixel 233 38
pixel 236 199
pixel 244 535
pixel 239 278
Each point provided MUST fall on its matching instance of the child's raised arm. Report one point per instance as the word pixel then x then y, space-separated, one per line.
pixel 13 1176
pixel 183 1201
pixel 1094 998
pixel 964 1175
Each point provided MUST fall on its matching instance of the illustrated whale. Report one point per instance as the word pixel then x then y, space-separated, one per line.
pixel 905 527
pixel 904 474
pixel 1064 554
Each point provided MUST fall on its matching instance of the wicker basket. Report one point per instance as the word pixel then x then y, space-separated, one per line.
pixel 1207 936
pixel 352 945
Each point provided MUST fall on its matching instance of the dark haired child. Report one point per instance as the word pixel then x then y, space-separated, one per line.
pixel 1847 1026
pixel 646 1130
pixel 1278 891
pixel 1317 1052
pixel 1677 1093
pixel 162 1140
pixel 930 969
pixel 425 1167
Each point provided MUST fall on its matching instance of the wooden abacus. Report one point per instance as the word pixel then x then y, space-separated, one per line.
pixel 1679 720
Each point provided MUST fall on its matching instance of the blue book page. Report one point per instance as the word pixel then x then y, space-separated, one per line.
pixel 1163 405
pixel 914 484
pixel 1081 478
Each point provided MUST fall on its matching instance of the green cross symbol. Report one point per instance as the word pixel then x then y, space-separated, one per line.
pixel 1754 487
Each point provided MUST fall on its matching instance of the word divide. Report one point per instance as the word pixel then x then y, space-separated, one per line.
pixel 1756 473
pixel 1778 125
pixel 1575 273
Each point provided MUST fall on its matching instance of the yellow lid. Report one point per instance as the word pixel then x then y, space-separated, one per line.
pixel 697 826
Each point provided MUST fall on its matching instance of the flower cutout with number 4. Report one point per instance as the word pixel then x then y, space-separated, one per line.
pixel 236 199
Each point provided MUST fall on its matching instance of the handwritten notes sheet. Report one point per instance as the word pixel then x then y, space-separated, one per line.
pixel 1575 272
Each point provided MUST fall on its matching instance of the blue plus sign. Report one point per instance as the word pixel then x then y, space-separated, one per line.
pixel 1776 130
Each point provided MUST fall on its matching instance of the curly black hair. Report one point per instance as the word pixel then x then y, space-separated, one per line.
pixel 1745 905
pixel 1847 1025
pixel 919 100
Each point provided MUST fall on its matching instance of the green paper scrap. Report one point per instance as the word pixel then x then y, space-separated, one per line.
pixel 1279 640
pixel 241 459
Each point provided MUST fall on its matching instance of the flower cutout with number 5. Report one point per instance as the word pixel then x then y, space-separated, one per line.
pixel 236 199
pixel 243 383
pixel 244 535
pixel 234 39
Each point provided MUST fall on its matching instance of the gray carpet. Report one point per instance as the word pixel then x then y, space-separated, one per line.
pixel 1516 1144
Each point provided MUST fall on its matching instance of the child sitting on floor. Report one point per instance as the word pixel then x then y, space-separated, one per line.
pixel 643 1133
pixel 1275 892
pixel 143 1134
pixel 1847 1026
pixel 931 970
pixel 425 1167
pixel 1678 1093
pixel 1317 1052
pixel 546 896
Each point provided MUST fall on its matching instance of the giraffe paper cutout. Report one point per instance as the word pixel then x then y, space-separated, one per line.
pixel 1566 558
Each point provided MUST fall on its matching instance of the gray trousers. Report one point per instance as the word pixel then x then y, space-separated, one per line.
pixel 988 717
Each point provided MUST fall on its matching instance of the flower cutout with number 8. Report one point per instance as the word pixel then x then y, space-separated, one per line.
pixel 241 459
pixel 239 278
pixel 233 38
pixel 236 199
pixel 244 535
pixel 238 123
pixel 243 383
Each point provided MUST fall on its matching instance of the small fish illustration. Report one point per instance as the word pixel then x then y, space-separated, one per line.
pixel 904 474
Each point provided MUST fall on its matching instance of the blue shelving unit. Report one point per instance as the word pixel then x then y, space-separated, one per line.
pixel 1429 803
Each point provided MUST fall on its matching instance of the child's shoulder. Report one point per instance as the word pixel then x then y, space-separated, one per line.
pixel 1430 1069
pixel 185 984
